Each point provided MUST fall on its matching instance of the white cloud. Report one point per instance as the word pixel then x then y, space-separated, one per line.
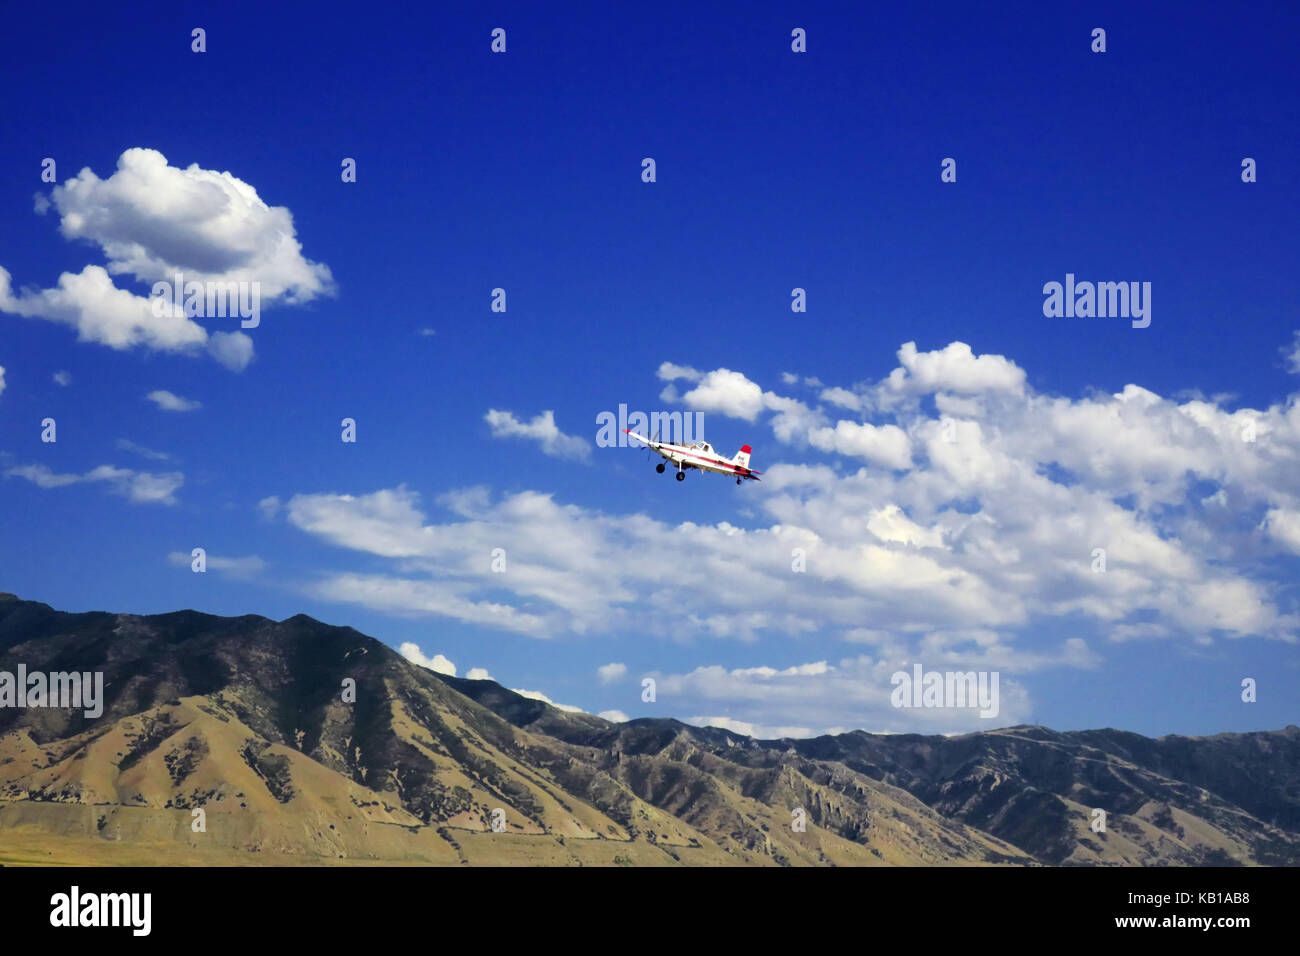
pixel 437 662
pixel 821 698
pixel 891 524
pixel 844 399
pixel 749 729
pixel 886 445
pixel 966 558
pixel 725 392
pixel 669 372
pixel 538 695
pixel 542 430
pixel 793 420
pixel 62 378
pixel 954 368
pixel 2 379
pixel 234 350
pixel 570 569
pixel 610 673
pixel 1292 353
pixel 386 523
pixel 153 221
pixel 614 716
pixel 107 315
pixel 743 727
pixel 577 570
pixel 1283 524
pixel 103 313
pixel 243 568
pixel 128 445
pixel 140 487
pixel 406 596
pixel 42 477
pixel 1017 557
pixel 269 507
pixel 169 402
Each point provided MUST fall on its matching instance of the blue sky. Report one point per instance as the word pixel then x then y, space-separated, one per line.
pixel 947 495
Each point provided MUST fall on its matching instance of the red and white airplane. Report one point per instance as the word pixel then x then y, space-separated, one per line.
pixel 700 454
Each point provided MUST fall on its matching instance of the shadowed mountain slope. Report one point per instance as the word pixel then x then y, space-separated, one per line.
pixel 241 739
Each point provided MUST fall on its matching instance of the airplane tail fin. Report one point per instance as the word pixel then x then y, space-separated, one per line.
pixel 742 456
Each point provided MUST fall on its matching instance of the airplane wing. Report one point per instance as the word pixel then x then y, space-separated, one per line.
pixel 640 438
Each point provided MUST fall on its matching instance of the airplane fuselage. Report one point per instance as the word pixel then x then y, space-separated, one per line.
pixel 700 455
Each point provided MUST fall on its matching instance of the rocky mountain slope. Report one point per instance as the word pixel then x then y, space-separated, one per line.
pixel 301 742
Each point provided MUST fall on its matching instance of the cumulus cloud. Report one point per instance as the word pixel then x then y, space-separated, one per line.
pixel 1283 524
pixel 62 378
pixel 170 402
pixel 269 507
pixel 234 350
pixel 542 430
pixel 966 552
pixel 886 445
pixel 153 221
pixel 954 368
pixel 722 391
pixel 439 662
pixel 614 716
pixel 538 695
pixel 411 651
pixel 611 673
pixel 790 378
pixel 725 392
pixel 103 313
pixel 2 379
pixel 844 399
pixel 575 569
pixel 386 522
pixel 140 487
pixel 669 372
pixel 891 524
pixel 742 727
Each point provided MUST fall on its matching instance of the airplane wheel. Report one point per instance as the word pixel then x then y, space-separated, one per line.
pixel 681 475
pixel 737 481
pixel 660 467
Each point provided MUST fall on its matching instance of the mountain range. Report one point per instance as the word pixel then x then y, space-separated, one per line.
pixel 242 740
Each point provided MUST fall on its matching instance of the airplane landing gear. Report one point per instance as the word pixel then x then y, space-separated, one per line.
pixel 681 475
pixel 660 467
pixel 737 481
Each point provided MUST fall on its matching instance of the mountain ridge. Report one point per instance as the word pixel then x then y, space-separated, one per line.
pixel 244 717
